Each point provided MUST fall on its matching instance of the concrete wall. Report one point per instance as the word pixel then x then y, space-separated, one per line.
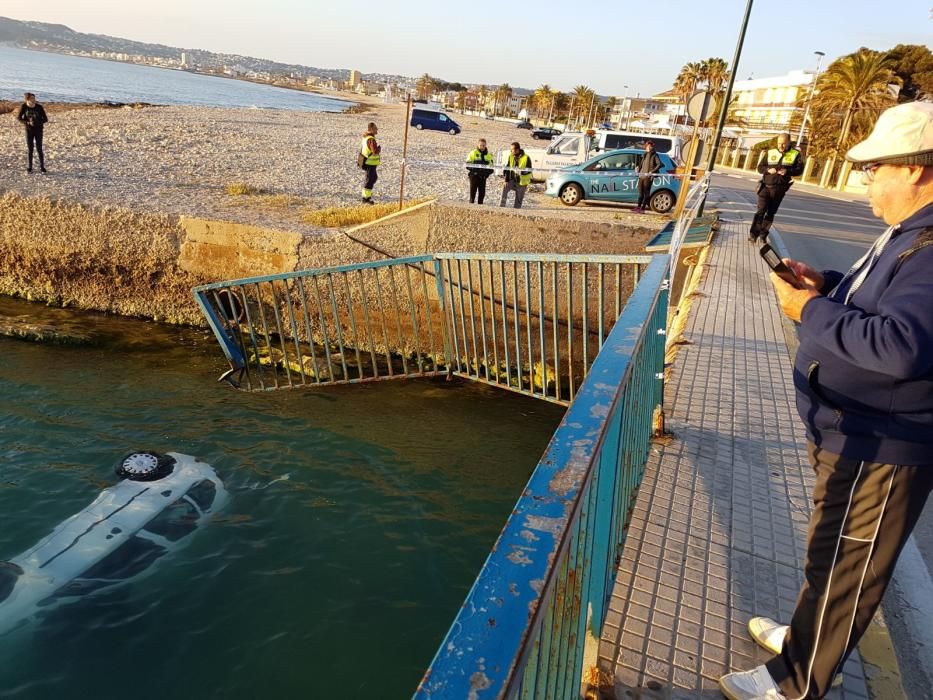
pixel 136 264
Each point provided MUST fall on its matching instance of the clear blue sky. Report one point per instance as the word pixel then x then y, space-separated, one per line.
pixel 605 45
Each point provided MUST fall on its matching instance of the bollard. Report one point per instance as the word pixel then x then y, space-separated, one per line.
pixel 807 169
pixel 735 158
pixel 843 176
pixel 828 168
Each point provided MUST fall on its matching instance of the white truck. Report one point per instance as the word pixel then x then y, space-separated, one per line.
pixel 574 147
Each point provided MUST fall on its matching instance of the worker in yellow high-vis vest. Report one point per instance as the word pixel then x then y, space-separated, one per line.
pixel 777 166
pixel 517 175
pixel 369 160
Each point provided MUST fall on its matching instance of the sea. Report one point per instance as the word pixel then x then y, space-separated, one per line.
pixel 358 518
pixel 61 78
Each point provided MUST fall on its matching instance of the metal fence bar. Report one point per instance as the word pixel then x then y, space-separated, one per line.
pixel 432 348
pixel 382 317
pixel 369 328
pixel 307 319
pixel 557 527
pixel 531 358
pixel 352 315
pixel 544 359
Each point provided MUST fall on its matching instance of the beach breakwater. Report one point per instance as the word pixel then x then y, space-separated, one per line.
pixel 141 264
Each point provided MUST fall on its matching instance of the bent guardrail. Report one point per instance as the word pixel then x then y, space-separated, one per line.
pixel 532 324
pixel 538 605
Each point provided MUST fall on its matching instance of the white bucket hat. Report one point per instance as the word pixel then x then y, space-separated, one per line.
pixel 903 135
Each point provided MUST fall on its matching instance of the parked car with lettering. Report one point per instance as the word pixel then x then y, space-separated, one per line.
pixel 573 147
pixel 545 132
pixel 612 177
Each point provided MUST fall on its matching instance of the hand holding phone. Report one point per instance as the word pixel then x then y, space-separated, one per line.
pixel 779 267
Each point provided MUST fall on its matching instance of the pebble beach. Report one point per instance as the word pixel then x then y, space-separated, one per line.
pixel 179 160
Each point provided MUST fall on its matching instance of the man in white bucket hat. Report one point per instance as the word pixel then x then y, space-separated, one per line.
pixel 864 380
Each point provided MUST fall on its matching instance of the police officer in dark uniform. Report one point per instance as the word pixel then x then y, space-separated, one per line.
pixel 777 166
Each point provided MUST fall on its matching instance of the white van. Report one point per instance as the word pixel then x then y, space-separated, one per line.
pixel 574 147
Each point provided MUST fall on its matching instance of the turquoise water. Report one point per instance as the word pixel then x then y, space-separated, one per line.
pixel 337 582
pixel 60 78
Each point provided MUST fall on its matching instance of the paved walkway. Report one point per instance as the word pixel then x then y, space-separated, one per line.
pixel 719 527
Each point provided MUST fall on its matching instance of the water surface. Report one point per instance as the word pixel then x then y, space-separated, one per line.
pixel 62 78
pixel 337 582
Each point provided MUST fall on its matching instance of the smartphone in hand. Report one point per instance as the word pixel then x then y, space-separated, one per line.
pixel 780 268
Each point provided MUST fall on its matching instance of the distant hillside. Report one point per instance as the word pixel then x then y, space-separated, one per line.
pixel 61 39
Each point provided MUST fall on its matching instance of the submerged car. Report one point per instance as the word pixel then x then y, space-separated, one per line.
pixel 612 177
pixel 160 502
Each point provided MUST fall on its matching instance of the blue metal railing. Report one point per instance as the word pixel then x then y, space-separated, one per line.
pixel 533 324
pixel 537 607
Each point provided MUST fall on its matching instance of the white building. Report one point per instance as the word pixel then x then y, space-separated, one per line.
pixel 769 104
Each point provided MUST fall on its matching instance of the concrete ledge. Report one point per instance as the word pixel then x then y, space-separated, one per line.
pixel 139 264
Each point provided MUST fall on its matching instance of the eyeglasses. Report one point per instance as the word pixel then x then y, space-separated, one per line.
pixel 868 171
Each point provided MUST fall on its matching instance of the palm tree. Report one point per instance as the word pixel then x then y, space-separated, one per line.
pixel 715 73
pixel 425 86
pixel 461 100
pixel 560 106
pixel 503 93
pixel 583 99
pixel 850 95
pixel 687 80
pixel 483 95
pixel 541 99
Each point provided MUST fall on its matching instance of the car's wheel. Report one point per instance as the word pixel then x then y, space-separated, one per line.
pixel 571 193
pixel 662 201
pixel 418 127
pixel 453 132
pixel 144 466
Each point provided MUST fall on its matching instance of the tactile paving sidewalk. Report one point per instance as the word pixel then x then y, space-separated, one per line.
pixel 719 527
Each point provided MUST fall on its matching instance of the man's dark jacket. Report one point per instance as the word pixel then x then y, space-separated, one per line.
pixel 864 370
pixel 33 117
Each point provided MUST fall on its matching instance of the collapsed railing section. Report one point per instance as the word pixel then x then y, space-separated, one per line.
pixel 529 323
pixel 535 611
pixel 355 323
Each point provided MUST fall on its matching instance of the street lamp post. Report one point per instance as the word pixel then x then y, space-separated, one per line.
pixel 624 119
pixel 724 107
pixel 806 113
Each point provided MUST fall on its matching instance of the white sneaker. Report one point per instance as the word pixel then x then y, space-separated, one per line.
pixel 770 636
pixel 756 684
pixel 767 633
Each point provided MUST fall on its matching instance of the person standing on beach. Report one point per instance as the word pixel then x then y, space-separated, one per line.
pixel 517 175
pixel 479 168
pixel 369 161
pixel 32 115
